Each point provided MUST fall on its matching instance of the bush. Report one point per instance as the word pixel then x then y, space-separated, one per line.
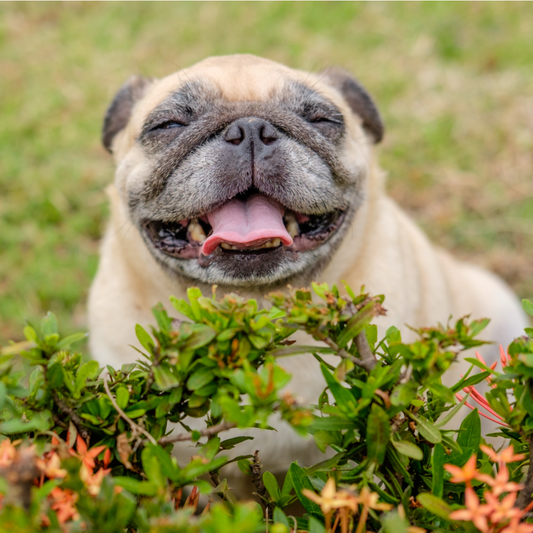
pixel 89 449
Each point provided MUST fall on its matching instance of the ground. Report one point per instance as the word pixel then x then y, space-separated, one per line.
pixel 454 82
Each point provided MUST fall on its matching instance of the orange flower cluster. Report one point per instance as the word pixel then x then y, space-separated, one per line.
pixel 498 514
pixel 346 504
pixel 62 501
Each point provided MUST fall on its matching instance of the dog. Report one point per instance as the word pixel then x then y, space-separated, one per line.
pixel 247 174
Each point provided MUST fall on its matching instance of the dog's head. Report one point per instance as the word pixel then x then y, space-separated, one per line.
pixel 240 171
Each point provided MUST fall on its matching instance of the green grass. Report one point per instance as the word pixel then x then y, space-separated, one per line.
pixel 453 81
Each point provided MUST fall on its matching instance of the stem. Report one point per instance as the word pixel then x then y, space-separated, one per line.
pixel 367 356
pixel 136 429
pixel 257 480
pixel 208 432
pixel 362 520
pixel 367 361
pixel 76 420
pixel 524 497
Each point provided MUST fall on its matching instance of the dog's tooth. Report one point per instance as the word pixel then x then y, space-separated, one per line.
pixel 292 225
pixel 275 243
pixel 226 246
pixel 196 231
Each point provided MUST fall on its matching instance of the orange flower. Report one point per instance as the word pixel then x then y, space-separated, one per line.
pixel 330 499
pixel 516 527
pixel 370 500
pixel 51 466
pixel 63 504
pixel 7 452
pixel 86 456
pixel 91 480
pixel 465 474
pixel 501 483
pixel 502 510
pixel 474 512
pixel 506 456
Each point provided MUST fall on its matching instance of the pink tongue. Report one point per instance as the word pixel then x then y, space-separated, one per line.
pixel 246 224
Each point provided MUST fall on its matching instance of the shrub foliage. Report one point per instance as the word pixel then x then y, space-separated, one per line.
pixel 90 449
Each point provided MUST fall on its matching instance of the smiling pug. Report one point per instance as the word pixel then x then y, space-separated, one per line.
pixel 244 173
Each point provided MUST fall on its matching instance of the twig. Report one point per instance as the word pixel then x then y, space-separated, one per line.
pixel 365 363
pixel 136 429
pixel 257 480
pixel 525 495
pixel 208 432
pixel 367 356
pixel 76 420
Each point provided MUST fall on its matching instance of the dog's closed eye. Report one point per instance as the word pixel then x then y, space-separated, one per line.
pixel 169 124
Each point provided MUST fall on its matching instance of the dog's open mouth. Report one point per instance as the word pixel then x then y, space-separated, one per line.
pixel 246 224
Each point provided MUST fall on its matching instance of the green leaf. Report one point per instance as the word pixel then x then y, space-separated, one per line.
pixel 200 336
pixel 426 429
pixel 55 376
pixel 71 339
pixel 146 488
pixel 49 325
pixel 403 394
pixel 163 320
pixel 315 526
pixel 408 449
pixel 229 444
pixel 272 486
pixel 470 431
pixel 182 307
pixel 528 307
pixel 144 338
pixel 471 381
pixel 451 413
pixel 280 517
pixel 210 449
pixel 330 423
pixel 123 397
pixel 89 370
pixel 343 397
pixel 200 378
pixel 393 523
pixel 434 505
pixel 297 349
pixel 377 434
pixel 300 481
pixel 193 293
pixel 437 464
pixel 356 324
pixel 164 378
pixel 39 422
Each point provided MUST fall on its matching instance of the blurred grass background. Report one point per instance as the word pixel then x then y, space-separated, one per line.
pixel 454 82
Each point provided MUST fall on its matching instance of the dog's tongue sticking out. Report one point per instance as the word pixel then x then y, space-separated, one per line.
pixel 246 224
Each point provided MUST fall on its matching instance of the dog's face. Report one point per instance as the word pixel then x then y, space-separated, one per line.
pixel 242 172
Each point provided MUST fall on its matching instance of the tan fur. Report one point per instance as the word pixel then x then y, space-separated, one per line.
pixel 383 250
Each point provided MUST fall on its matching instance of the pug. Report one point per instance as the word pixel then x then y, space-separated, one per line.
pixel 250 175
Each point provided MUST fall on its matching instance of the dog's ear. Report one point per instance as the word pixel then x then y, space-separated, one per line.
pixel 357 98
pixel 119 112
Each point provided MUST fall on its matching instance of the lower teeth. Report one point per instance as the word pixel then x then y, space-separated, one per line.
pixel 273 243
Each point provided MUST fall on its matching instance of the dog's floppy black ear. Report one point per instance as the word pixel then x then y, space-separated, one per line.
pixel 119 112
pixel 357 98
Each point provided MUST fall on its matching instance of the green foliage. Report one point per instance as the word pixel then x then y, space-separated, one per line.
pixel 384 413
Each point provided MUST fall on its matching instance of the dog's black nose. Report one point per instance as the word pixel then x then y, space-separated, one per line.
pixel 250 130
